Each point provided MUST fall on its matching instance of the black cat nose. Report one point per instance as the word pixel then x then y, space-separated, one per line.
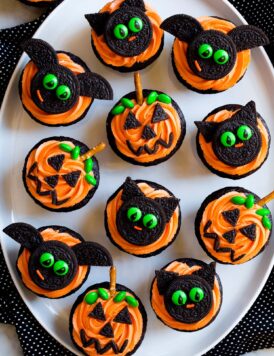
pixel 107 331
pixel 148 133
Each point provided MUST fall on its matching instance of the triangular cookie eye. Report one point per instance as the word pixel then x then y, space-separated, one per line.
pixel 159 114
pixel 131 122
pixel 56 162
pixel 249 231
pixel 52 180
pixel 231 216
pixel 72 178
pixel 98 313
pixel 123 317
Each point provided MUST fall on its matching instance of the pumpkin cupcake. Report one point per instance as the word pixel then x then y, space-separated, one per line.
pixel 233 225
pixel 61 174
pixel 233 140
pixel 142 218
pixel 211 54
pixel 186 294
pixel 126 35
pixel 57 88
pixel 54 261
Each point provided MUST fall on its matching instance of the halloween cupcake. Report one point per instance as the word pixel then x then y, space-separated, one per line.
pixel 146 127
pixel 108 319
pixel 40 3
pixel 211 54
pixel 186 294
pixel 54 261
pixel 61 174
pixel 233 141
pixel 57 88
pixel 126 35
pixel 233 225
pixel 142 218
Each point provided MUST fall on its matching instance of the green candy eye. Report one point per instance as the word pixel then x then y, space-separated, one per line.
pixel 135 24
pixel 60 268
pixel 50 81
pixel 179 297
pixel 196 294
pixel 150 221
pixel 134 214
pixel 46 260
pixel 120 31
pixel 63 92
pixel 228 139
pixel 221 56
pixel 205 51
pixel 244 133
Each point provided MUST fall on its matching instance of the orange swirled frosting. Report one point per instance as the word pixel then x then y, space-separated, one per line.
pixel 92 327
pixel 71 115
pixel 181 63
pixel 71 195
pixel 215 163
pixel 23 259
pixel 242 245
pixel 111 58
pixel 163 130
pixel 167 235
pixel 158 305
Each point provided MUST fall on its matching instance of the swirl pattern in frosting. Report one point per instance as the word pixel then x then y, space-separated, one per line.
pixel 23 259
pixel 113 59
pixel 243 246
pixel 181 63
pixel 68 117
pixel 158 305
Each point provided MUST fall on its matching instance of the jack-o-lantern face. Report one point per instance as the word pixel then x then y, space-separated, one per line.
pixel 105 325
pixel 149 133
pixel 57 178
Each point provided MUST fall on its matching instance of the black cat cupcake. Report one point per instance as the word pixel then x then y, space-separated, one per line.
pixel 54 261
pixel 211 54
pixel 233 141
pixel 61 174
pixel 186 294
pixel 126 35
pixel 142 218
pixel 57 88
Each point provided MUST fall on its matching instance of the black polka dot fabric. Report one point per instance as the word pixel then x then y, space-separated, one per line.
pixel 255 331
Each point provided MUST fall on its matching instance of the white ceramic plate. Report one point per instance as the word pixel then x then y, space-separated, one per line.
pixel 184 174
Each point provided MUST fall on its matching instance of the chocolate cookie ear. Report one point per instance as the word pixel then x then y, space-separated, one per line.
pixel 248 36
pixel 247 112
pixel 41 53
pixel 25 234
pixel 207 129
pixel 169 205
pixel 130 190
pixel 92 254
pixel 135 3
pixel 98 21
pixel 207 273
pixel 183 27
pixel 164 278
pixel 94 86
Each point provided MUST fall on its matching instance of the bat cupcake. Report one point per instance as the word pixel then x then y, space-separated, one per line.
pixel 233 225
pixel 54 261
pixel 233 140
pixel 211 54
pixel 145 127
pixel 142 218
pixel 57 88
pixel 108 319
pixel 126 35
pixel 61 174
pixel 186 294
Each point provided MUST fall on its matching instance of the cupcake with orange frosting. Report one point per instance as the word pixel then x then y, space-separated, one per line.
pixel 142 218
pixel 233 140
pixel 40 3
pixel 61 174
pixel 186 294
pixel 233 225
pixel 54 261
pixel 210 54
pixel 57 88
pixel 126 35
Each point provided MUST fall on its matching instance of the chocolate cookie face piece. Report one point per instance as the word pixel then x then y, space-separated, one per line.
pixel 128 31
